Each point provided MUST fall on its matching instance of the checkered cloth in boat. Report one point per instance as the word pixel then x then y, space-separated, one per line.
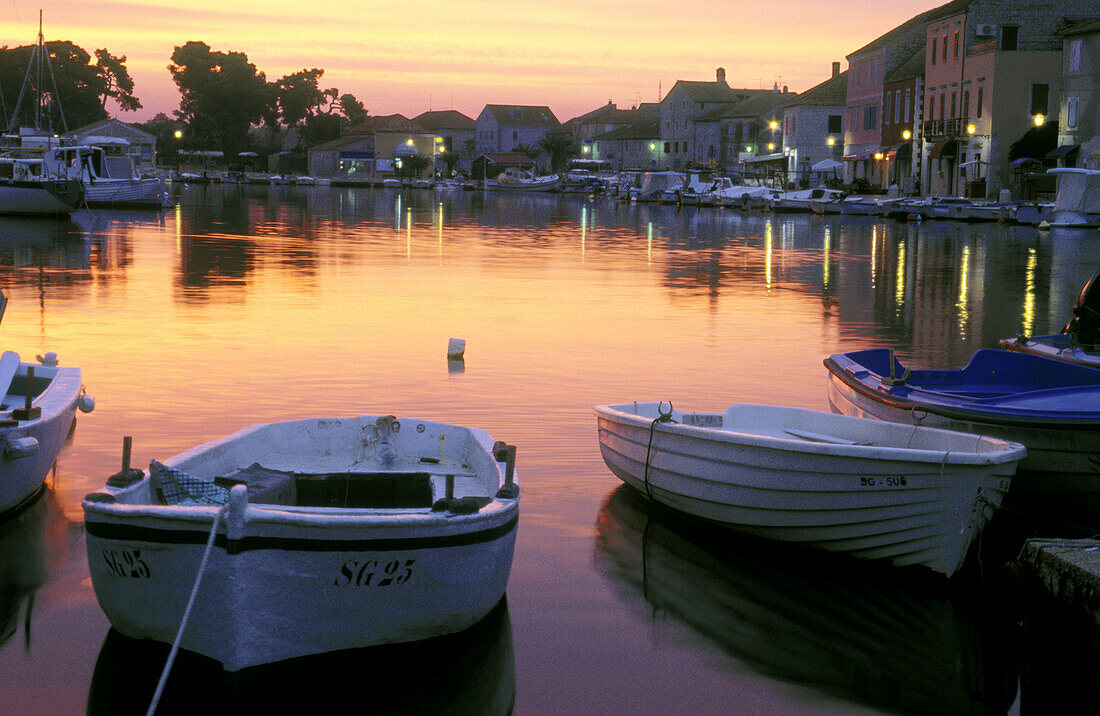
pixel 176 487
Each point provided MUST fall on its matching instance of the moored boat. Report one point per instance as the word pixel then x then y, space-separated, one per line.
pixel 317 535
pixel 1050 406
pixel 515 180
pixel 27 187
pixel 803 199
pixel 910 496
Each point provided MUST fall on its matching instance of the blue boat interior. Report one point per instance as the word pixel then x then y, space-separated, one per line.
pixel 989 374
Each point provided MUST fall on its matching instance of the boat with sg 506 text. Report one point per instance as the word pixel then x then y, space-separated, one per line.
pixel 903 494
pixel 307 536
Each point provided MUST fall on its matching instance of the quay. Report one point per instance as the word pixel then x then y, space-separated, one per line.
pixel 1059 581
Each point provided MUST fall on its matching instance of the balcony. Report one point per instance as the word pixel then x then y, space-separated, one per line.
pixel 940 129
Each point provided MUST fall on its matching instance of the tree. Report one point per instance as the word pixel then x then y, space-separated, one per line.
pixel 117 83
pixel 68 91
pixel 222 95
pixel 352 109
pixel 414 165
pixel 299 96
pixel 559 148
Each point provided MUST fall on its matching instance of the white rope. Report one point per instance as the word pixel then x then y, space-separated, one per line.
pixel 186 612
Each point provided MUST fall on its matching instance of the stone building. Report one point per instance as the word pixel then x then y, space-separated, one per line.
pixel 1079 112
pixel 118 137
pixel 813 125
pixel 455 132
pixel 896 163
pixel 634 146
pixel 501 128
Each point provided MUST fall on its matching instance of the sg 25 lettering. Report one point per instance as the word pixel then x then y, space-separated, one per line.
pixel 126 563
pixel 374 573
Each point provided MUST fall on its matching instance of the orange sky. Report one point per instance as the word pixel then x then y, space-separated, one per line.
pixel 406 57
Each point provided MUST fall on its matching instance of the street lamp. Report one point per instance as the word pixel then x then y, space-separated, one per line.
pixel 878 156
pixel 773 125
pixel 1039 119
pixel 771 146
pixel 906 135
pixel 971 128
pixel 178 134
pixel 831 141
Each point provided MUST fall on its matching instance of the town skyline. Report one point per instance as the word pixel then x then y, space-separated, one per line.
pixel 572 60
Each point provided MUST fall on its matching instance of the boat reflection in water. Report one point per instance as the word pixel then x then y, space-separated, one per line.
pixel 472 672
pixel 23 565
pixel 888 638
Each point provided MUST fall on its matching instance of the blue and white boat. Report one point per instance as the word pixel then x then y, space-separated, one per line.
pixel 1050 406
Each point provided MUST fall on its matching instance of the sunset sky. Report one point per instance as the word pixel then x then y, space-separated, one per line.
pixel 406 57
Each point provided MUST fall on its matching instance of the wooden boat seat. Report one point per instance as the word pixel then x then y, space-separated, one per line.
pixel 268 487
pixel 384 490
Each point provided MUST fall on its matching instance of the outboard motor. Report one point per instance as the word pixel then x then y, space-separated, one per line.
pixel 1085 326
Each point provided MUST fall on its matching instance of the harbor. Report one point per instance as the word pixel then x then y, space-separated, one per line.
pixel 518 313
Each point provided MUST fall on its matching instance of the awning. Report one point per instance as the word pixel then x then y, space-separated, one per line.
pixel 1063 151
pixel 902 149
pixel 946 149
pixel 857 157
pixel 765 158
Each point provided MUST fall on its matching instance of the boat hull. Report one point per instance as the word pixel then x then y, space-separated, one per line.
pixel 21 475
pixel 523 186
pixel 274 594
pixel 287 575
pixel 1060 468
pixel 42 198
pixel 125 192
pixel 899 506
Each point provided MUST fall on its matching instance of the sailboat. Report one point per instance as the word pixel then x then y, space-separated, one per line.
pixel 27 184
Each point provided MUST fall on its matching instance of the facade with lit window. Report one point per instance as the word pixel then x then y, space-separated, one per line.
pixel 635 146
pixel 1079 115
pixel 992 73
pixel 813 128
pixel 902 89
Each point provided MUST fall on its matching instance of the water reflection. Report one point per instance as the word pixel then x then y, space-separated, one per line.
pixel 472 672
pixel 884 638
pixel 24 566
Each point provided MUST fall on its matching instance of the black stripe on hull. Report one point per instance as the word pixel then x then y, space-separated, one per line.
pixel 129 533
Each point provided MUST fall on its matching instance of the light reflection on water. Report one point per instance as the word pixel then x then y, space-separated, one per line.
pixel 248 304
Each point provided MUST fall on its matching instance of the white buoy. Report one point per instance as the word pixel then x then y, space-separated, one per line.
pixel 456 348
pixel 1043 226
pixel 50 359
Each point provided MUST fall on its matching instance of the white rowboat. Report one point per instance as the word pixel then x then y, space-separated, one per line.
pixel 338 533
pixel 906 494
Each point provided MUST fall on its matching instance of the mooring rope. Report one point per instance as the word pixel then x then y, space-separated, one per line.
pixel 662 417
pixel 186 612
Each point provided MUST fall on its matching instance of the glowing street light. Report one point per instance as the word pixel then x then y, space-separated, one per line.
pixel 771 146
pixel 178 134
pixel 831 141
pixel 878 156
pixel 971 128
pixel 906 135
pixel 1039 119
pixel 773 125
pixel 409 141
pixel 653 146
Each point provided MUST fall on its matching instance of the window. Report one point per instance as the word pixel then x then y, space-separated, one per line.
pixel 1010 37
pixel 934 49
pixel 979 107
pixel 711 154
pixel 870 116
pixel 1071 113
pixel 1039 94
pixel 515 135
pixel 943 105
pixel 907 105
pixel 897 105
pixel 1073 65
pixel 966 103
pixel 932 106
pixel 944 48
pixel 835 122
pixel 955 46
pixel 667 146
pixel 886 110
pixel 953 105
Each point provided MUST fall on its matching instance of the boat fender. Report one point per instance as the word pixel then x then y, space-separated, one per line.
pixel 85 402
pixel 50 359
pixel 15 448
pixel 508 492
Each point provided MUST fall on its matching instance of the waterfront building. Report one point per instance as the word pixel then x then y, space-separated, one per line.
pixel 118 137
pixel 896 163
pixel 686 102
pixel 1079 113
pixel 634 146
pixel 867 70
pixel 374 149
pixel 993 70
pixel 501 128
pixel 454 132
pixel 585 128
pixel 745 137
pixel 813 125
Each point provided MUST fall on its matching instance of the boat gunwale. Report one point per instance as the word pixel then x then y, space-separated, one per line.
pixel 1009 451
pixel 1000 417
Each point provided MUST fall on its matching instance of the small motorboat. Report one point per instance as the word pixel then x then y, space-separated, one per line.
pixel 1049 405
pixel 37 411
pixel 519 180
pixel 872 489
pixel 803 199
pixel 1079 341
pixel 308 536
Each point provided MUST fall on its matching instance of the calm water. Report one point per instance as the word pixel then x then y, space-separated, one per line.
pixel 246 305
